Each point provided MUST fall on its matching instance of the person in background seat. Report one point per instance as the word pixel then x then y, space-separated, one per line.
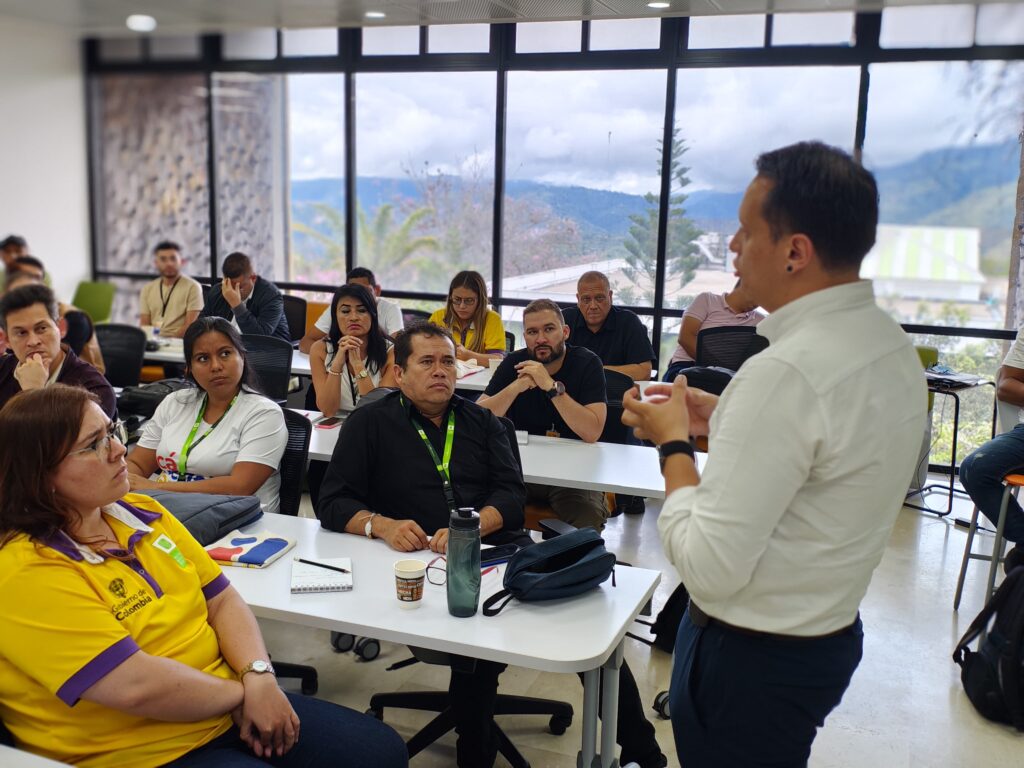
pixel 250 303
pixel 477 329
pixel 173 301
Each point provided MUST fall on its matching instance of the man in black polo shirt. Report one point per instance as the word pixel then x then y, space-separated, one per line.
pixel 551 388
pixel 383 483
pixel 615 335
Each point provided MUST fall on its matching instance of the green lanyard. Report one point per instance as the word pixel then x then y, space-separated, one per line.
pixel 439 464
pixel 189 445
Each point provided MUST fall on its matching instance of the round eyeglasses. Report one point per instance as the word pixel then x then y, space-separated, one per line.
pixel 101 445
pixel 437 570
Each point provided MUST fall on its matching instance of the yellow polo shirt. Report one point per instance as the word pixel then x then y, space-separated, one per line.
pixel 494 331
pixel 71 616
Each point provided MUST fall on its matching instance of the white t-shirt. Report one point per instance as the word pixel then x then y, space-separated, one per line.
pixel 389 317
pixel 252 430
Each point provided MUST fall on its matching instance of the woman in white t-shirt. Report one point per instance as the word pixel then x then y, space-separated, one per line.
pixel 356 357
pixel 220 436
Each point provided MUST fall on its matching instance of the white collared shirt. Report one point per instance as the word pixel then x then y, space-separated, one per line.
pixel 811 449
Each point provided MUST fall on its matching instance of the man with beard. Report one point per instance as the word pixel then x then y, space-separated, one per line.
pixel 173 301
pixel 551 388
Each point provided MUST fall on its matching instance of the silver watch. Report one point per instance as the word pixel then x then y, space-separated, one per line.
pixel 259 666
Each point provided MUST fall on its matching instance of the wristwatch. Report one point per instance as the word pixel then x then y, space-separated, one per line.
pixel 673 447
pixel 362 374
pixel 368 529
pixel 259 666
pixel 558 388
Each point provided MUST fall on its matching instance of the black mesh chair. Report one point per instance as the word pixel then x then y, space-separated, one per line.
pixel 271 359
pixel 617 385
pixel 292 469
pixel 510 341
pixel 80 330
pixel 295 314
pixel 123 348
pixel 559 712
pixel 412 316
pixel 728 346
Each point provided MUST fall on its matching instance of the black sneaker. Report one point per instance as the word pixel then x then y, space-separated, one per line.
pixel 636 506
pixel 1014 558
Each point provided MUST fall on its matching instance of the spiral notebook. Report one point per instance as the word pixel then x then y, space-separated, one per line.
pixel 314 578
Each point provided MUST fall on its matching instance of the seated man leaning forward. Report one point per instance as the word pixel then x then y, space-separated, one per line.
pixel 30 319
pixel 123 644
pixel 555 389
pixel 383 482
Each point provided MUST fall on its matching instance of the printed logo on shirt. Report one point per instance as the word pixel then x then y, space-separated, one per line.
pixel 177 477
pixel 132 603
pixel 116 588
pixel 168 547
pixel 168 463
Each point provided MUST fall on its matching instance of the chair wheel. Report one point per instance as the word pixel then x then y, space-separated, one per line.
pixel 342 641
pixel 376 713
pixel 661 705
pixel 368 648
pixel 310 685
pixel 557 725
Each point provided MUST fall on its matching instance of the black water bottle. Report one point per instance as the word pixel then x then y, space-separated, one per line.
pixel 463 562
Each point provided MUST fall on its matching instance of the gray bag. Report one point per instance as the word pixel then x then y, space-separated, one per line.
pixel 209 516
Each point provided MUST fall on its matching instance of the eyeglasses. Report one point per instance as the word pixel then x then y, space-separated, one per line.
pixel 438 574
pixel 101 446
pixel 457 302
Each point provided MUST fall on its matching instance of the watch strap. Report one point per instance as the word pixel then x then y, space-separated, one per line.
pixel 672 447
pixel 259 666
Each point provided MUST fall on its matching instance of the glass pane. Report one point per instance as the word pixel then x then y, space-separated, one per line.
pixel 941 140
pixel 181 47
pixel 625 34
pixel 812 28
pixel 582 183
pixel 152 177
pixel 927 26
pixel 250 44
pixel 309 42
pixel 724 119
pixel 425 176
pixel 316 155
pixel 391 41
pixel 459 38
pixel 1000 24
pixel 121 49
pixel 549 36
pixel 249 145
pixel 726 31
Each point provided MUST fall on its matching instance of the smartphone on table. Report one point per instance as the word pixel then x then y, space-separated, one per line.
pixel 499 554
pixel 327 422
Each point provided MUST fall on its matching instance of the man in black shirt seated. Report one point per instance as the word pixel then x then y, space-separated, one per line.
pixel 615 335
pixel 551 388
pixel 383 483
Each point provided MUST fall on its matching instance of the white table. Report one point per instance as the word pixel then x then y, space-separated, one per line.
pixel 605 467
pixel 16 758
pixel 475 382
pixel 173 352
pixel 581 634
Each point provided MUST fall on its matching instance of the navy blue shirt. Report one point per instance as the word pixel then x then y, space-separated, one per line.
pixel 621 340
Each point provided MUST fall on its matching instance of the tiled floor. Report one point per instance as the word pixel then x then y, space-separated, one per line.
pixel 905 706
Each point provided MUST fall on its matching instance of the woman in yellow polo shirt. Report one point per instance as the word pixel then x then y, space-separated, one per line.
pixel 123 643
pixel 465 313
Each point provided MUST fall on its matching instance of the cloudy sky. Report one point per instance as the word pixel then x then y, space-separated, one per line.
pixel 600 129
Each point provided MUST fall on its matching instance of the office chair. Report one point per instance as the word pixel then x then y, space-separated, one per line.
pixel 292 469
pixel 617 385
pixel 95 299
pixel 80 330
pixel 510 341
pixel 560 712
pixel 123 348
pixel 728 346
pixel 271 359
pixel 412 316
pixel 295 314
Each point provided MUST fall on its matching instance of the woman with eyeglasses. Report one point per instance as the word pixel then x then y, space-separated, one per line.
pixel 478 331
pixel 356 357
pixel 123 643
pixel 220 436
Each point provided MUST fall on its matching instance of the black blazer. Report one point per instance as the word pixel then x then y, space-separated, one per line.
pixel 264 314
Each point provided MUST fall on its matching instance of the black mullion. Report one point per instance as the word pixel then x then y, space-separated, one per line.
pixel 424 41
pixel 97 217
pixel 860 130
pixel 350 172
pixel 585 36
pixel 211 176
pixel 499 42
pixel 769 27
pixel 661 269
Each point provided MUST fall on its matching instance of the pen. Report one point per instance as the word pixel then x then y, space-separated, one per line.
pixel 323 565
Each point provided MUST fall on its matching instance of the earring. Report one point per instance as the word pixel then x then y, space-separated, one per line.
pixel 789 267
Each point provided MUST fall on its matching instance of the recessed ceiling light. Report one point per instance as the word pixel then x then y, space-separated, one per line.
pixel 658 5
pixel 375 14
pixel 138 22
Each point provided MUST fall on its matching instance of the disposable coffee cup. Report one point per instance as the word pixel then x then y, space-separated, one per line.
pixel 494 362
pixel 409 577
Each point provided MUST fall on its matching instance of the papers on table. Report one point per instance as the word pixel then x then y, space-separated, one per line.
pixel 464 368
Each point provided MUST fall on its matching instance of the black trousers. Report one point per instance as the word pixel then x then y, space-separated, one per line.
pixel 740 700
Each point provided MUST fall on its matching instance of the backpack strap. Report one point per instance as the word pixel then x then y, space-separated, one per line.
pixel 1009 656
pixel 982 619
pixel 488 609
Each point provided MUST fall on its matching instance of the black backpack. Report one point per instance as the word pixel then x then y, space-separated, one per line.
pixel 992 675
pixel 143 399
pixel 665 626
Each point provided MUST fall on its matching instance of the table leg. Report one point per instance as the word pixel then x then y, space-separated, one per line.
pixel 610 707
pixel 591 691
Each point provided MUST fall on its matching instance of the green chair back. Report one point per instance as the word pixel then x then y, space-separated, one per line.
pixel 95 299
pixel 929 356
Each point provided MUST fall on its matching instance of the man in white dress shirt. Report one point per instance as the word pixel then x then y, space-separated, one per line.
pixel 810 448
pixel 389 314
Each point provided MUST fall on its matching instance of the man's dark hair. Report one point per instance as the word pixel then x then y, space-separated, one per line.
pixel 167 245
pixel 25 297
pixel 403 340
pixel 544 305
pixel 30 261
pixel 357 273
pixel 13 241
pixel 236 265
pixel 819 191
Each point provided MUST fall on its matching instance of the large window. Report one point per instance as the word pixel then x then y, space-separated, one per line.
pixel 425 183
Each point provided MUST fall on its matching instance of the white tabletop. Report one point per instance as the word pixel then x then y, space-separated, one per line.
pixel 16 758
pixel 571 635
pixel 606 467
pixel 171 351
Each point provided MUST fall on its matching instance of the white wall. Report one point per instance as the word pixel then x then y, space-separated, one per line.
pixel 43 178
